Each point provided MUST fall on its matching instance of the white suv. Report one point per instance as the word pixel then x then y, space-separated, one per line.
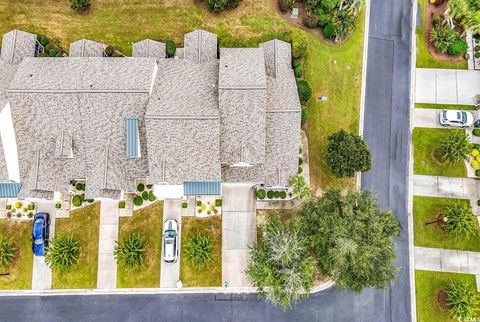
pixel 455 118
pixel 170 241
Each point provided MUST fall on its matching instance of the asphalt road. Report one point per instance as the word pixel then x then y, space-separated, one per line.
pixel 386 131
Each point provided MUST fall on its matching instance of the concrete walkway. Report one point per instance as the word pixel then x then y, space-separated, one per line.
pixel 42 274
pixel 433 186
pixel 107 266
pixel 447 260
pixel 239 231
pixel 447 86
pixel 426 117
pixel 170 272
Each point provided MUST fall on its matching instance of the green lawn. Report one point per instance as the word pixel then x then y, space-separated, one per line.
pixel 446 106
pixel 212 275
pixel 20 273
pixel 427 285
pixel 424 59
pixel 148 222
pixel 84 224
pixel 336 72
pixel 425 141
pixel 427 209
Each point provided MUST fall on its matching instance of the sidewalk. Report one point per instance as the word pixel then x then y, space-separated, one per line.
pixel 435 186
pixel 107 266
pixel 170 272
pixel 426 117
pixel 447 260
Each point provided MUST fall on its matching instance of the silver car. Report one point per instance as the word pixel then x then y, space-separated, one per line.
pixel 456 118
pixel 170 241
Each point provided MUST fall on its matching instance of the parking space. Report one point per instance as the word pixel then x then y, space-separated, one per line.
pixel 42 274
pixel 239 231
pixel 170 272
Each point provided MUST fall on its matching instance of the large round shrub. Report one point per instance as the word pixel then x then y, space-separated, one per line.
pixel 151 196
pixel 80 187
pixel 329 30
pixel 310 20
pixel 48 47
pixel 43 41
pixel 170 47
pixel 77 200
pixel 145 195
pixel 298 71
pixel 261 194
pixel 296 62
pixel 347 153
pixel 137 200
pixel 140 187
pixel 270 194
pixel 304 90
pixel 199 250
pixel 304 115
pixel 63 253
pixel 7 251
pixel 283 195
pixel 52 53
pixel 79 4
pixel 458 47
pixel 130 252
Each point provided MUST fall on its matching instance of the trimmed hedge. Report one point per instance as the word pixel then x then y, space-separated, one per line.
pixel 151 196
pixel 476 132
pixel 76 200
pixel 298 71
pixel 261 194
pixel 304 90
pixel 137 200
pixel 276 194
pixel 171 47
pixel 199 203
pixel 145 195
pixel 283 195
pixel 297 62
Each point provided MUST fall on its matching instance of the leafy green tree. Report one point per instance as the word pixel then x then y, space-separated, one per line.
pixel 131 251
pixel 352 238
pixel 300 187
pixel 346 154
pixel 63 253
pixel 199 250
pixel 281 268
pixel 462 301
pixel 455 147
pixel 460 221
pixel 7 251
pixel 467 12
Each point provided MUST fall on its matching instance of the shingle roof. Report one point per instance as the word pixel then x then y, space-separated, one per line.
pixel 200 46
pixel 6 75
pixel 278 57
pixel 84 75
pixel 242 68
pixel 86 48
pixel 16 45
pixel 149 48
pixel 3 165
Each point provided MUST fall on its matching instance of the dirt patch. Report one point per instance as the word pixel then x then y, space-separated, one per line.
pixel 437 10
pixel 442 298
pixel 83 12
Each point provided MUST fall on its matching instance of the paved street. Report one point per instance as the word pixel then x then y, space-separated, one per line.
pixel 170 272
pixel 239 231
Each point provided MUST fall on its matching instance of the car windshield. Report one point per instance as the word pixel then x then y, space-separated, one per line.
pixel 38 242
pixel 170 233
pixel 464 117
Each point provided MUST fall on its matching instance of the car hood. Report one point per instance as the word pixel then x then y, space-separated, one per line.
pixel 38 250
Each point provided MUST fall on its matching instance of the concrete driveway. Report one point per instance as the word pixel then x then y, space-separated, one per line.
pixel 239 231
pixel 432 186
pixel 42 274
pixel 447 86
pixel 170 272
pixel 426 117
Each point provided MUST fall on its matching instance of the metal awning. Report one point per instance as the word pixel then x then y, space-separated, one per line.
pixel 202 188
pixel 133 138
pixel 9 189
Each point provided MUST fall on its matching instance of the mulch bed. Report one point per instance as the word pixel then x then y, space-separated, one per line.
pixel 437 10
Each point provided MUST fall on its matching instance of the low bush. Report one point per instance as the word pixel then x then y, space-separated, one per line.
pixel 458 47
pixel 477 48
pixel 131 252
pixel 304 116
pixel 477 55
pixel 199 203
pixel 277 194
pixel 310 20
pixel 478 202
pixel 475 152
pixel 476 132
pixel 137 201
pixel 18 204
pixel 49 47
pixel 141 187
pixel 79 4
pixel 58 205
pixel 220 5
pixel 8 207
pixel 170 48
pixel 474 164
pixel 283 195
pixel 298 71
pixel 52 53
pixel 79 187
pixel 63 253
pixel 184 205
pixel 329 30
pixel 7 251
pixel 300 161
pixel 199 250
pixel 19 214
pixel 297 62
pixel 299 42
pixel 30 206
pixel 304 90
pixel 270 194
pixel 329 4
pixel 261 194
pixel 121 204
pixel 300 170
pixel 151 196
pixel 477 173
pixel 76 200
pixel 285 5
pixel 43 41
pixel 463 301
pixel 145 195
pixel 218 202
pixel 109 50
pixel 323 17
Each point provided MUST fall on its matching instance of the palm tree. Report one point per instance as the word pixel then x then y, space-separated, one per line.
pixel 462 300
pixel 455 147
pixel 460 221
pixel 300 187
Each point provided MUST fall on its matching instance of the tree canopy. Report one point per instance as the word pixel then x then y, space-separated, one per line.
pixel 352 238
pixel 346 154
pixel 281 267
pixel 467 12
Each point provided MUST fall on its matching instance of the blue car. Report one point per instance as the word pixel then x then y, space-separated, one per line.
pixel 40 231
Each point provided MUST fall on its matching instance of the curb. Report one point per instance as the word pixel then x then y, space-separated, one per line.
pixel 148 291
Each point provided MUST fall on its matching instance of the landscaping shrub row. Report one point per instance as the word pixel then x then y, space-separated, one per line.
pixel 271 194
pixel 51 48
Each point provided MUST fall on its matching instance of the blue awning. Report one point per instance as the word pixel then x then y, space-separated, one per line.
pixel 202 188
pixel 133 138
pixel 9 189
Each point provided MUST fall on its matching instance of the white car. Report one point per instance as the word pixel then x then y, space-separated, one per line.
pixel 170 241
pixel 455 118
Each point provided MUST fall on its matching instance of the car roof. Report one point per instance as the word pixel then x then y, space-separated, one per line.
pixel 454 114
pixel 37 228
